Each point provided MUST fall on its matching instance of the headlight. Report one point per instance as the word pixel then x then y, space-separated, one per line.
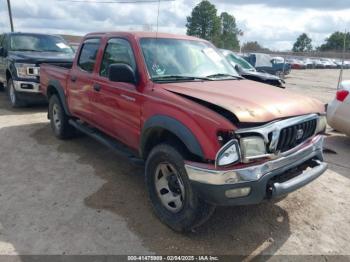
pixel 228 154
pixel 321 124
pixel 27 70
pixel 252 147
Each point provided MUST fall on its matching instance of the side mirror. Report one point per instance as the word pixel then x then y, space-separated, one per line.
pixel 238 69
pixel 121 73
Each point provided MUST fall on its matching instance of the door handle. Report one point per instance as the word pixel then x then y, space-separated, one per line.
pixel 97 87
pixel 73 78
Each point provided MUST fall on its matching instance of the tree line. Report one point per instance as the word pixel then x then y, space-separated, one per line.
pixel 222 31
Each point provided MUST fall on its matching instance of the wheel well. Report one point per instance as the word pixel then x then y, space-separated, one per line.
pixel 51 91
pixel 159 136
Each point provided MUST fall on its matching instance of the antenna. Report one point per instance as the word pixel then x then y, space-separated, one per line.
pixel 342 63
pixel 157 29
pixel 158 19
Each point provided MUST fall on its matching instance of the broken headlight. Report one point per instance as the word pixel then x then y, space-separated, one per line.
pixel 252 147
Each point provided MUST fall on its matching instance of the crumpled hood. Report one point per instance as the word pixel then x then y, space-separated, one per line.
pixel 41 57
pixel 250 101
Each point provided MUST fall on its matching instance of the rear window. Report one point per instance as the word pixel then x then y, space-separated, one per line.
pixel 88 53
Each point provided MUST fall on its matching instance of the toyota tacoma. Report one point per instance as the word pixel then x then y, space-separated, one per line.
pixel 206 136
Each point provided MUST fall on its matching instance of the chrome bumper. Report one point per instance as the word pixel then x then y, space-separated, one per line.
pixel 26 86
pixel 254 173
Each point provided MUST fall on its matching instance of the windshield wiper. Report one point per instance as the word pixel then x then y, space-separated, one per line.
pixel 179 78
pixel 221 75
pixel 29 50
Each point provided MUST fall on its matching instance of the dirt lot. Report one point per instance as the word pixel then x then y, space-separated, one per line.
pixel 77 197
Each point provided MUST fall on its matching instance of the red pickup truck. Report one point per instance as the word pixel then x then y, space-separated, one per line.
pixel 207 136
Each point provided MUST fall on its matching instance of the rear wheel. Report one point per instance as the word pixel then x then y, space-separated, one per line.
pixel 174 200
pixel 59 120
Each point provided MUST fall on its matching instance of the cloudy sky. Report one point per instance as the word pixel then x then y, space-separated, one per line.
pixel 273 23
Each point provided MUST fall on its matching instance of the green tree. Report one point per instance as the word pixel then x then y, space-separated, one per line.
pixel 229 32
pixel 204 22
pixel 303 44
pixel 336 42
pixel 253 46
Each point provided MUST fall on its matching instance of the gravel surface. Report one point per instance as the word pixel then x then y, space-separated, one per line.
pixel 78 197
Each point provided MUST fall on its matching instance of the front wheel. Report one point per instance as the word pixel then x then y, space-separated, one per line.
pixel 174 200
pixel 12 94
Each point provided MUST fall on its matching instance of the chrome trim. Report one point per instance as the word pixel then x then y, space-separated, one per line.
pixel 254 173
pixel 17 86
pixel 276 127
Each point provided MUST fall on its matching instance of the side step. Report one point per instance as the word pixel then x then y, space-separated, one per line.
pixel 113 144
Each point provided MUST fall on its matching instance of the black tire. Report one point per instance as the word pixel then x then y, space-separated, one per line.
pixel 61 129
pixel 2 87
pixel 194 211
pixel 12 95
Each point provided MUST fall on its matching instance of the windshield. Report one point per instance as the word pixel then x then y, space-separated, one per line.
pixel 263 60
pixel 184 58
pixel 39 43
pixel 240 61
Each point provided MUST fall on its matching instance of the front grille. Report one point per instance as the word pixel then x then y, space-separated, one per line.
pixel 292 136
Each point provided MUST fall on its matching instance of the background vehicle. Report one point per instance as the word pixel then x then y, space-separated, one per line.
pixel 317 64
pixel 308 63
pixel 296 64
pixel 328 63
pixel 207 136
pixel 249 72
pixel 338 111
pixel 264 63
pixel 21 55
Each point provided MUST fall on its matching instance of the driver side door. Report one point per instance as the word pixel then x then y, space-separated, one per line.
pixel 116 105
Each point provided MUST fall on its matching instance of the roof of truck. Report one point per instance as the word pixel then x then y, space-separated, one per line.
pixel 144 35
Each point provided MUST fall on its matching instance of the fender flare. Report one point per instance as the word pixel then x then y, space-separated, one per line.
pixel 174 126
pixel 60 91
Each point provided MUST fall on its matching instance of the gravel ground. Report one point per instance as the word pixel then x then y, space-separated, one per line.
pixel 77 197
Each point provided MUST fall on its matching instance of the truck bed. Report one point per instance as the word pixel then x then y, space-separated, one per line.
pixel 55 71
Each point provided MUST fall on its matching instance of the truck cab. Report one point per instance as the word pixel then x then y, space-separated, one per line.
pixel 21 55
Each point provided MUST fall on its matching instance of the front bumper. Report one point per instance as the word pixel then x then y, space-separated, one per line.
pixel 26 86
pixel 271 179
pixel 29 91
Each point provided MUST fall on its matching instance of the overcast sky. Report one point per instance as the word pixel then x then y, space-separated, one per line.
pixel 274 23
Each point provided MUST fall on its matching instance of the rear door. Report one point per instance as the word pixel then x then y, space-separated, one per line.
pixel 116 105
pixel 80 81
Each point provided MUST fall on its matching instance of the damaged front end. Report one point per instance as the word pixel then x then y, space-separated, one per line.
pixel 251 166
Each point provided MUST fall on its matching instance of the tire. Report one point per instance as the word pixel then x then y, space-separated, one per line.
pixel 1 87
pixel 12 95
pixel 174 200
pixel 59 120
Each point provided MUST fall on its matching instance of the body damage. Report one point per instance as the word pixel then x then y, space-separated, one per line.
pixel 249 101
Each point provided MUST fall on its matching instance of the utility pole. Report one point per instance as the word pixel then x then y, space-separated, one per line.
pixel 10 14
pixel 342 63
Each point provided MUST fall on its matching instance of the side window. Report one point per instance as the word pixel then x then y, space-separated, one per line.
pixel 88 53
pixel 117 51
